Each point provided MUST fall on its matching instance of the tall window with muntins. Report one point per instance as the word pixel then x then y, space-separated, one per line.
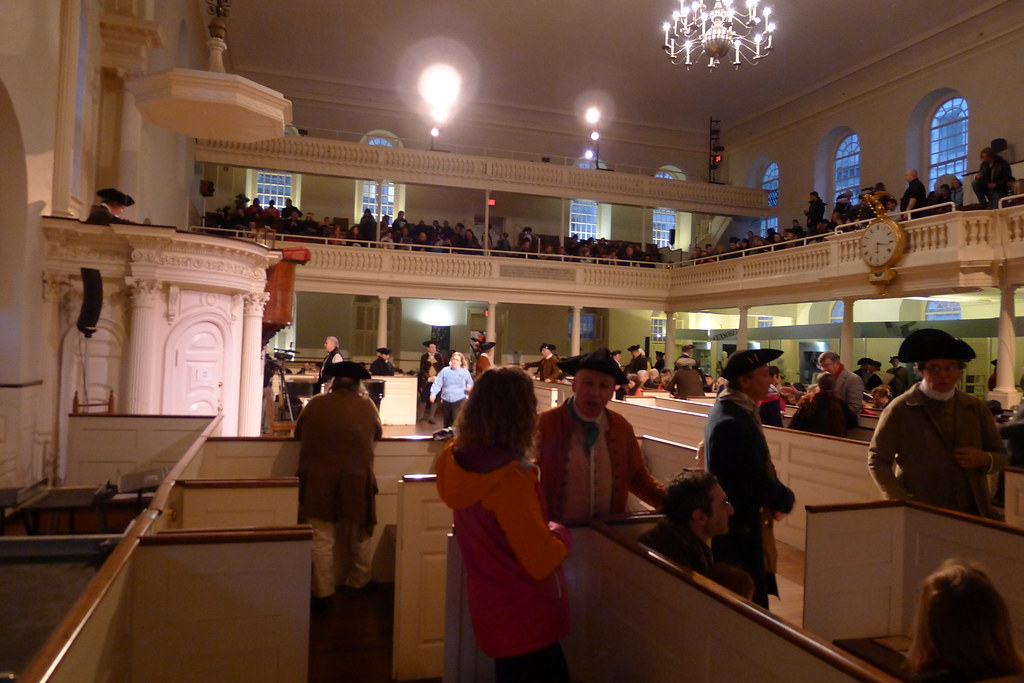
pixel 943 310
pixel 583 219
pixel 273 185
pixel 770 184
pixel 379 197
pixel 847 165
pixel 657 329
pixel 663 221
pixel 838 311
pixel 948 140
pixel 764 321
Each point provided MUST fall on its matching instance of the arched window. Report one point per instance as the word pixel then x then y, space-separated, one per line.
pixel 770 184
pixel 583 219
pixel 379 197
pixel 838 311
pixel 948 140
pixel 846 174
pixel 663 221
pixel 943 310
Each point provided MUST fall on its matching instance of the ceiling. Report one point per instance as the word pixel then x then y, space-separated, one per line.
pixel 544 57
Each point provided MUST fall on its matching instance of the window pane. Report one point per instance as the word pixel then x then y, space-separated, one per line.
pixel 273 185
pixel 657 329
pixel 583 219
pixel 847 165
pixel 379 198
pixel 943 310
pixel 770 184
pixel 663 222
pixel 948 136
pixel 838 311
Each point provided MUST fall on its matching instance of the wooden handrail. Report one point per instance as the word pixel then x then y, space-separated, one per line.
pixel 924 507
pixel 301 532
pixel 238 483
pixel 137 416
pixel 648 437
pixel 808 642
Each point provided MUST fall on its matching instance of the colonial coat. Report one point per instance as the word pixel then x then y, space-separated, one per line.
pixel 549 370
pixel 736 452
pixel 908 436
pixel 336 480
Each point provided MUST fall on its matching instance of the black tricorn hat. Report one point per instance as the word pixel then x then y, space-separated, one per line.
pixel 115 197
pixel 550 347
pixel 347 368
pixel 869 361
pixel 995 362
pixel 659 354
pixel 634 347
pixel 598 360
pixel 742 362
pixel 428 343
pixel 487 346
pixel 617 352
pixel 383 350
pixel 931 343
pixel 892 358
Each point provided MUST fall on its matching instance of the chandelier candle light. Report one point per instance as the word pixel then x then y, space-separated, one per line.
pixel 718 34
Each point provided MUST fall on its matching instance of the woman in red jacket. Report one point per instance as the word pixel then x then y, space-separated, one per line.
pixel 513 556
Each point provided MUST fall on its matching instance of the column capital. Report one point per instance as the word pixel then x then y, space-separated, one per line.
pixel 383 298
pixel 56 287
pixel 255 302
pixel 144 292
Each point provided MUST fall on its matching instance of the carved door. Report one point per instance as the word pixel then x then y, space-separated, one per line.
pixel 194 371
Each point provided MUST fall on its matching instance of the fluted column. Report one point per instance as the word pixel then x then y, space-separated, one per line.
pixel 846 334
pixel 492 329
pixel 576 330
pixel 140 386
pixel 1006 391
pixel 67 82
pixel 670 338
pixel 382 322
pixel 741 329
pixel 250 397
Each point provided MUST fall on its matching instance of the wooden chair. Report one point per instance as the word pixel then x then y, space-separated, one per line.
pixel 274 406
pixel 79 408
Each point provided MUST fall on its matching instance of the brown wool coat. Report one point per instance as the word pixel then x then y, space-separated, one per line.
pixel 336 478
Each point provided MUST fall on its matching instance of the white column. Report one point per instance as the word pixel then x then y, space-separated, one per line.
pixel 382 322
pixel 487 223
pixel 846 334
pixel 131 144
pixel 140 387
pixel 67 85
pixel 1006 391
pixel 741 329
pixel 670 338
pixel 250 396
pixel 576 330
pixel 492 330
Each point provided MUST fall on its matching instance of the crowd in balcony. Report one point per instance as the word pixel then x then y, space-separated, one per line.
pixel 290 223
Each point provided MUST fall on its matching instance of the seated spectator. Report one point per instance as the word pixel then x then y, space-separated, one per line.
pixel 270 211
pixel 880 398
pixel 696 510
pixel 290 211
pixel 962 631
pixel 504 244
pixel 686 381
pixel 1017 192
pixel 469 240
pixel 843 208
pixel 956 192
pixel 992 181
pixel 633 387
pixel 821 411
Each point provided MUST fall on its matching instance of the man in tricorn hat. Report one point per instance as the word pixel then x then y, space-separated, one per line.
pixel 382 364
pixel 337 485
pixel 483 361
pixel 588 455
pixel 109 210
pixel 431 363
pixel 943 439
pixel 548 364
pixel 639 362
pixel 736 452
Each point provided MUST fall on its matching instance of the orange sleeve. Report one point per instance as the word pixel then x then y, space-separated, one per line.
pixel 515 504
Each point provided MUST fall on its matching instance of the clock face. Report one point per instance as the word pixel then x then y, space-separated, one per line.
pixel 881 243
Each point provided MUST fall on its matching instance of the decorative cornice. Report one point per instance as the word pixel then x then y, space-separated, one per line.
pixel 127 42
pixel 351 160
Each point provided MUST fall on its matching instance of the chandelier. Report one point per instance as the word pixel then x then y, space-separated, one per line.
pixel 720 34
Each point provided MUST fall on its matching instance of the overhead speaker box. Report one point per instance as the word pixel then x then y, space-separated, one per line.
pixel 92 301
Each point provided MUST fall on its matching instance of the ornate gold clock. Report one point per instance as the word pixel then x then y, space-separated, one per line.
pixel 882 242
